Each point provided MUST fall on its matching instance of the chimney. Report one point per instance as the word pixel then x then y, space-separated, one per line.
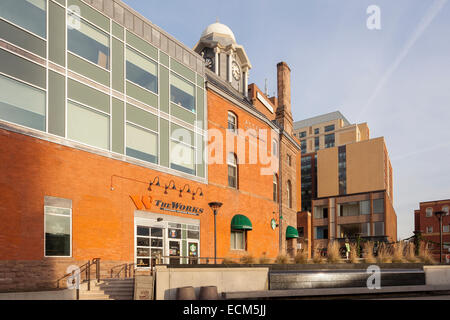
pixel 284 114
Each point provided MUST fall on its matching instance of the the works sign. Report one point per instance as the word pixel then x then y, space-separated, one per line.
pixel 146 202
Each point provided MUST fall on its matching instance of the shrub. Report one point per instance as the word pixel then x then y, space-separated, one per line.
pixel 410 253
pixel 263 259
pixel 282 259
pixel 368 252
pixel 425 255
pixel 398 254
pixel 228 260
pixel 333 254
pixel 353 254
pixel 247 259
pixel 384 254
pixel 301 257
pixel 317 256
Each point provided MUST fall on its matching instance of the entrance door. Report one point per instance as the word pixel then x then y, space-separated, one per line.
pixel 174 251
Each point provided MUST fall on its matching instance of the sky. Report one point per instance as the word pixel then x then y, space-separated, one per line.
pixel 396 78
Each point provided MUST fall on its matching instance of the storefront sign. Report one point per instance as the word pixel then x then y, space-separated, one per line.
pixel 146 202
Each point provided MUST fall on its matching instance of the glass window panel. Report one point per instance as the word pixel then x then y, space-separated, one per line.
pixel 446 228
pixel 87 126
pixel 193 234
pixel 157 232
pixel 182 157
pixel 29 14
pixel 364 207
pixel 57 235
pixel 329 128
pixel 378 206
pixel 182 92
pixel 378 228
pixel 142 144
pixel 89 42
pixel 143 252
pixel 174 233
pixel 329 140
pixel 142 71
pixel 22 104
pixel 143 242
pixel 143 231
pixel 157 242
pixel 429 212
pixel 349 209
pixel 143 263
pixel 56 210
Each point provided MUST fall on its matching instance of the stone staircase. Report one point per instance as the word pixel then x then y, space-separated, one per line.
pixel 108 289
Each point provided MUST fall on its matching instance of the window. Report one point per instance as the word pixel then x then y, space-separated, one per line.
pixel 58 231
pixel 28 14
pixel 350 230
pixel 289 194
pixel 378 206
pixel 275 188
pixel 274 148
pixel 329 140
pixel 141 144
pixel 232 122
pixel 302 134
pixel 429 229
pixel 316 130
pixel 87 125
pixel 316 143
pixel 446 210
pixel 446 228
pixel 378 228
pixel 238 240
pixel 90 43
pixel 342 164
pixel 348 209
pixel 289 160
pixel 303 146
pixel 149 245
pixel 321 212
pixel 182 92
pixel 321 232
pixel 301 232
pixel 22 104
pixel 329 128
pixel 182 157
pixel 142 71
pixel 232 170
pixel 364 207
pixel 429 212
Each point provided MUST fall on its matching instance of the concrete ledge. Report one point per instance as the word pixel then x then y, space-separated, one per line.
pixel 303 293
pixel 40 295
pixel 437 275
pixel 225 279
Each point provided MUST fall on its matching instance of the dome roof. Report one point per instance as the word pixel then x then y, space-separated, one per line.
pixel 218 27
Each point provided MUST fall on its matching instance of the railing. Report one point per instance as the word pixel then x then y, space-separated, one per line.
pixel 127 268
pixel 77 274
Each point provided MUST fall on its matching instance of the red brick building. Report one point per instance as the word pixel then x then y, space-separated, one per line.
pixel 426 222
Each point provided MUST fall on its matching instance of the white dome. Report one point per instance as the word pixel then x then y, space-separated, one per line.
pixel 218 27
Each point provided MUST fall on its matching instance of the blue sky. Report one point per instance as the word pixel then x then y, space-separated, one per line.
pixel 396 79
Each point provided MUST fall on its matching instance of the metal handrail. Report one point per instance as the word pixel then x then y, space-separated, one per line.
pixel 128 267
pixel 84 268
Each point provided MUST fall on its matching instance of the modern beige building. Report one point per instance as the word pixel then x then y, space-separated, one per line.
pixel 346 181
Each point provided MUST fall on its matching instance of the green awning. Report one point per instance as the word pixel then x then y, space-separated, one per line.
pixel 241 222
pixel 291 232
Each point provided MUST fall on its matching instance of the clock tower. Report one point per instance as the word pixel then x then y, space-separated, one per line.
pixel 224 57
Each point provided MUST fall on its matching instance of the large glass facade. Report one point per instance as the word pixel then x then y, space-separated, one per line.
pixel 89 42
pixel 141 144
pixel 182 157
pixel 142 71
pixel 352 230
pixel 28 14
pixel 57 231
pixel 182 92
pixel 87 125
pixel 22 104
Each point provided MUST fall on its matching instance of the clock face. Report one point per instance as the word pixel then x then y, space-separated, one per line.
pixel 236 71
pixel 208 62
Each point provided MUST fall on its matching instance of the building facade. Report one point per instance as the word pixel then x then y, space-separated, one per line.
pixel 427 224
pixel 346 181
pixel 105 151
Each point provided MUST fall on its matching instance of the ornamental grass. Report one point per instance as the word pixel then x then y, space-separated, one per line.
pixel 410 253
pixel 263 259
pixel 425 254
pixel 368 252
pixel 384 254
pixel 317 256
pixel 333 254
pixel 282 259
pixel 353 254
pixel 398 252
pixel 247 259
pixel 301 257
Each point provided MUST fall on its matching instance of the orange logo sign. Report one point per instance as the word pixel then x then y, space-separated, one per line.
pixel 142 202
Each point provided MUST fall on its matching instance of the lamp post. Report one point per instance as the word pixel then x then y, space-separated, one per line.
pixel 439 215
pixel 215 206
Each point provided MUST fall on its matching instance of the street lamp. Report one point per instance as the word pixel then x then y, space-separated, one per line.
pixel 215 206
pixel 439 215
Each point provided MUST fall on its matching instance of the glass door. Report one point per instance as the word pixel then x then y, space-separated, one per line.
pixel 174 237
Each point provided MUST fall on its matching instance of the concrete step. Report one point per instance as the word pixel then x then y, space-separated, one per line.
pixel 105 296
